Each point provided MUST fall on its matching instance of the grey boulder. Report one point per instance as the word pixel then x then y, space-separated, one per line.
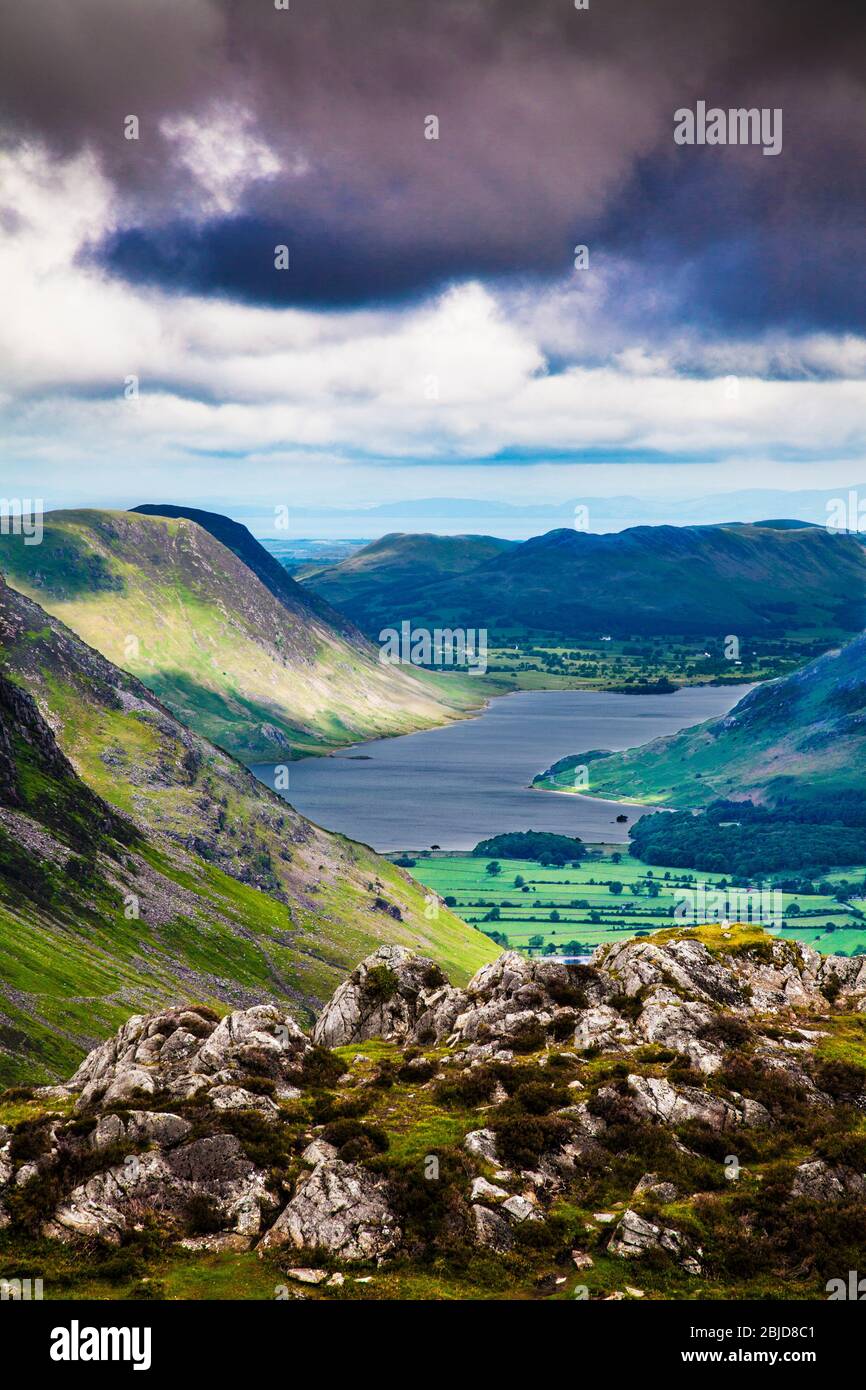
pixel 339 1207
pixel 384 997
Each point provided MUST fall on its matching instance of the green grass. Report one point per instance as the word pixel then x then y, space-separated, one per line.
pixel 604 916
pixel 166 602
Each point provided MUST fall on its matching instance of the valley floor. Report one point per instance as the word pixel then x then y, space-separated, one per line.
pixel 531 662
pixel 573 910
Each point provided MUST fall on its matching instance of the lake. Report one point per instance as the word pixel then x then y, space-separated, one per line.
pixel 462 783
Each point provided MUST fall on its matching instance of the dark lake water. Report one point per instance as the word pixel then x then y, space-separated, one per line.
pixel 460 784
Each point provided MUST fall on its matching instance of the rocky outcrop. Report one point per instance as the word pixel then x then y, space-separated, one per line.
pixel 513 1004
pixel 481 1143
pixel 633 1237
pixel 822 1182
pixel 654 1098
pixel 685 966
pixel 795 976
pixel 491 1230
pixel 384 997
pixel 672 1023
pixel 341 1208
pixel 184 1052
pixel 516 1004
pixel 170 1183
pixel 650 1187
pixel 221 1131
pixel 140 1160
pixel 773 975
pixel 155 1160
pixel 142 1127
pixel 659 1101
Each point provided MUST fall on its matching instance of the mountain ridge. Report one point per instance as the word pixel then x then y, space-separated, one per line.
pixel 249 663
pixel 408 561
pixel 241 542
pixel 647 580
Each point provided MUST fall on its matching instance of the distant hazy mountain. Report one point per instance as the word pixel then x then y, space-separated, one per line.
pixel 521 520
pixel 806 731
pixel 649 580
pixel 211 623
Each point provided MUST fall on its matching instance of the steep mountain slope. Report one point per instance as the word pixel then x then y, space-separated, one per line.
pixel 805 732
pixel 378 585
pixel 244 660
pixel 649 580
pixel 141 865
pixel 266 567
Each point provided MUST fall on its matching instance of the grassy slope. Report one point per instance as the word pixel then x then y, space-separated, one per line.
pixel 165 600
pixel 806 729
pixel 241 898
pixel 378 585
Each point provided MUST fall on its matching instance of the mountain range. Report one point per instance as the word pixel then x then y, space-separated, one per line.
pixel 520 520
pixel 767 579
pixel 214 626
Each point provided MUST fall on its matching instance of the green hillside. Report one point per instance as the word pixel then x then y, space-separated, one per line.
pixel 142 865
pixel 693 581
pixel 249 662
pixel 263 564
pixel 803 733
pixel 381 584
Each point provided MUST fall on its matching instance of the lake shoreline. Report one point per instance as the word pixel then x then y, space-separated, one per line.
pixel 472 778
pixel 462 716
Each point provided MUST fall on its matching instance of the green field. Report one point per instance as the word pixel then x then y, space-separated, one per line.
pixel 521 661
pixel 590 913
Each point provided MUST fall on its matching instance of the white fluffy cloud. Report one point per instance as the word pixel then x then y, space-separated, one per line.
pixel 469 375
pixel 221 151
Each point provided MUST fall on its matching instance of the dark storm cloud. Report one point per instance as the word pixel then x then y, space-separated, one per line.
pixel 329 269
pixel 555 128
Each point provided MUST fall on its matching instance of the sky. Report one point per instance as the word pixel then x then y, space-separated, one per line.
pixel 431 335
